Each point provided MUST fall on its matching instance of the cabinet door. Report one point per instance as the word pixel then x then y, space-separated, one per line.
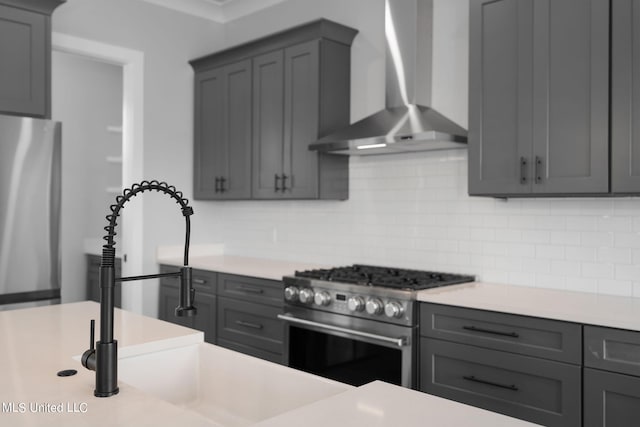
pixel 533 389
pixel 209 148
pixel 610 400
pixel 236 181
pixel 268 122
pixel 625 96
pixel 500 91
pixel 301 86
pixel 222 153
pixel 571 96
pixel 24 63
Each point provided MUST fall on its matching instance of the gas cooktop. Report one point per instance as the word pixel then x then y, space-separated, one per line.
pixel 397 278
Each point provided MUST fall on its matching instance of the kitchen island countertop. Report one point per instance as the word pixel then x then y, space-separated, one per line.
pixel 38 342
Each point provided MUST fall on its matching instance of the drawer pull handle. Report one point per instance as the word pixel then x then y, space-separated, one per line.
pixel 250 289
pixel 478 380
pixel 490 331
pixel 249 324
pixel 199 281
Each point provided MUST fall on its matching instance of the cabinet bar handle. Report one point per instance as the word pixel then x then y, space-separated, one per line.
pixel 491 331
pixel 284 182
pixel 538 170
pixel 523 170
pixel 199 281
pixel 478 380
pixel 277 183
pixel 249 324
pixel 222 181
pixel 250 289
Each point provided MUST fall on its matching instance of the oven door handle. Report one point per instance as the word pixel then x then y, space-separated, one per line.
pixel 399 342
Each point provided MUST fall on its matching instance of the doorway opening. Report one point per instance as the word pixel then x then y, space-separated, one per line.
pixel 120 166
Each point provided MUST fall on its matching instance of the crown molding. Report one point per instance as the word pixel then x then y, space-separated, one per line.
pixel 220 11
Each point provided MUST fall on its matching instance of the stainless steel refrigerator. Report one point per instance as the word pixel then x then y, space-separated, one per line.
pixel 30 181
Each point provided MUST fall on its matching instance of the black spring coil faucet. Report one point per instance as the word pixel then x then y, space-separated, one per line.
pixel 103 357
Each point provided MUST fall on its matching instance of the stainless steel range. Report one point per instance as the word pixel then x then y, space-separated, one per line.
pixel 358 323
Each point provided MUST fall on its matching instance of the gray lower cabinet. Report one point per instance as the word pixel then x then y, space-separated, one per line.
pixel 259 105
pixel 539 97
pixel 247 316
pixel 25 57
pixel 204 283
pixel 610 399
pixel 611 377
pixel 93 279
pixel 524 367
pixel 236 312
pixel 533 389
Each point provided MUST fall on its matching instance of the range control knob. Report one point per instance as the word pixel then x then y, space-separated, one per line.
pixel 374 306
pixel 355 304
pixel 291 293
pixel 393 309
pixel 322 298
pixel 306 296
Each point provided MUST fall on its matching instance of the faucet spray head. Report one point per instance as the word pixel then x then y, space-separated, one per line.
pixel 187 294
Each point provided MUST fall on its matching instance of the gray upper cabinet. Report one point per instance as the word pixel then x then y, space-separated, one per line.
pixel 287 90
pixel 625 97
pixel 222 160
pixel 268 123
pixel 539 97
pixel 287 82
pixel 25 57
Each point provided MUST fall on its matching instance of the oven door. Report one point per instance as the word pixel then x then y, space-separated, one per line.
pixel 348 349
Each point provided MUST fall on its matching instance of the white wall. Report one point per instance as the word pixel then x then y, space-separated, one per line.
pixel 86 97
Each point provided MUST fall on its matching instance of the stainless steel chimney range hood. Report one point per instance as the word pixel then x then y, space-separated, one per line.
pixel 407 123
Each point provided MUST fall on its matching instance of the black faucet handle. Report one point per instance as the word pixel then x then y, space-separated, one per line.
pixel 88 359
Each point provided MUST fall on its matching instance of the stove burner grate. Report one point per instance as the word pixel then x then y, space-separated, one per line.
pixel 385 277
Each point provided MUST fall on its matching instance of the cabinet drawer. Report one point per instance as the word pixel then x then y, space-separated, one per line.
pixel 203 281
pixel 612 349
pixel 250 324
pixel 610 399
pixel 250 289
pixel 536 390
pixel 548 339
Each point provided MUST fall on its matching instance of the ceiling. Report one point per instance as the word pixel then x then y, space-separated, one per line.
pixel 220 11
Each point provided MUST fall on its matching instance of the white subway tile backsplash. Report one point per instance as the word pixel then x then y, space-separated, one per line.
pixel 615 287
pixel 630 239
pixel 550 252
pixel 596 238
pixel 597 270
pixel 580 253
pixel 615 255
pixel 412 210
pixel 627 272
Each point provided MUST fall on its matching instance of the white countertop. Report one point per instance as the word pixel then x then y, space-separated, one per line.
pixel 383 404
pixel 244 266
pixel 38 342
pixel 580 307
